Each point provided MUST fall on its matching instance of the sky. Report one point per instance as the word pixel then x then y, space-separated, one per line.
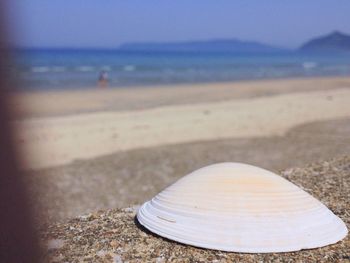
pixel 109 23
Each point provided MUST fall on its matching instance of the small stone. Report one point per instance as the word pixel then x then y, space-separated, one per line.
pixel 117 259
pixel 86 217
pixel 132 209
pixel 53 244
pixel 101 253
pixel 128 210
pixel 160 260
pixel 114 244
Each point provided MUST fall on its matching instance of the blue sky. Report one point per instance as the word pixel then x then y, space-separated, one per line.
pixel 108 23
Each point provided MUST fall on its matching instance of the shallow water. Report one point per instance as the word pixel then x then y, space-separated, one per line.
pixel 65 69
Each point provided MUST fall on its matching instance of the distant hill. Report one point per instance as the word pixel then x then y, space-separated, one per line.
pixel 226 45
pixel 335 41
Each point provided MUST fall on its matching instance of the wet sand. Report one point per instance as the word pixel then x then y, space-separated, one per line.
pixel 58 103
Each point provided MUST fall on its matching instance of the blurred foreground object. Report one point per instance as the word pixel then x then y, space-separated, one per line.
pixel 17 238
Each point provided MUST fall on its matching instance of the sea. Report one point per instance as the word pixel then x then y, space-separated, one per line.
pixel 80 69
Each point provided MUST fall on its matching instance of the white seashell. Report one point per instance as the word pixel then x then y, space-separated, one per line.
pixel 242 208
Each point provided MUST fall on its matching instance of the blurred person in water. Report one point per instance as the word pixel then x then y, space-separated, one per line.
pixel 103 79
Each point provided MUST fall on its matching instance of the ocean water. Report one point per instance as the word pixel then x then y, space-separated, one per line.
pixel 79 69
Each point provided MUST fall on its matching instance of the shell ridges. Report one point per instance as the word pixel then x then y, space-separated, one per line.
pixel 240 208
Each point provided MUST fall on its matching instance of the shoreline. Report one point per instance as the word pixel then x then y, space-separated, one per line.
pixel 171 85
pixel 51 103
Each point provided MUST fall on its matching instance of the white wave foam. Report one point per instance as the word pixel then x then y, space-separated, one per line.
pixel 106 68
pixel 58 69
pixel 85 68
pixel 309 65
pixel 129 68
pixel 40 69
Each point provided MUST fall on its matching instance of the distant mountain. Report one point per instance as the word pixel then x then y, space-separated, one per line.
pixel 335 41
pixel 225 45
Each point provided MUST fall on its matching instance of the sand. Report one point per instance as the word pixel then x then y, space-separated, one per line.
pixel 115 235
pixel 131 177
pixel 58 103
pixel 114 149
pixel 49 139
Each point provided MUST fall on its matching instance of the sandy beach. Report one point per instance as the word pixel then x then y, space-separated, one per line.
pixel 90 163
pixel 79 160
pixel 49 139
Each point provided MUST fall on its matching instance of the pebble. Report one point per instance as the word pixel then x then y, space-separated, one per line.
pixel 55 244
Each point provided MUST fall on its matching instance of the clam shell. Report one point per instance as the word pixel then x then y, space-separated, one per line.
pixel 242 208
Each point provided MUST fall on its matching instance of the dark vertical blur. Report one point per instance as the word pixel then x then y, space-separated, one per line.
pixel 17 238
